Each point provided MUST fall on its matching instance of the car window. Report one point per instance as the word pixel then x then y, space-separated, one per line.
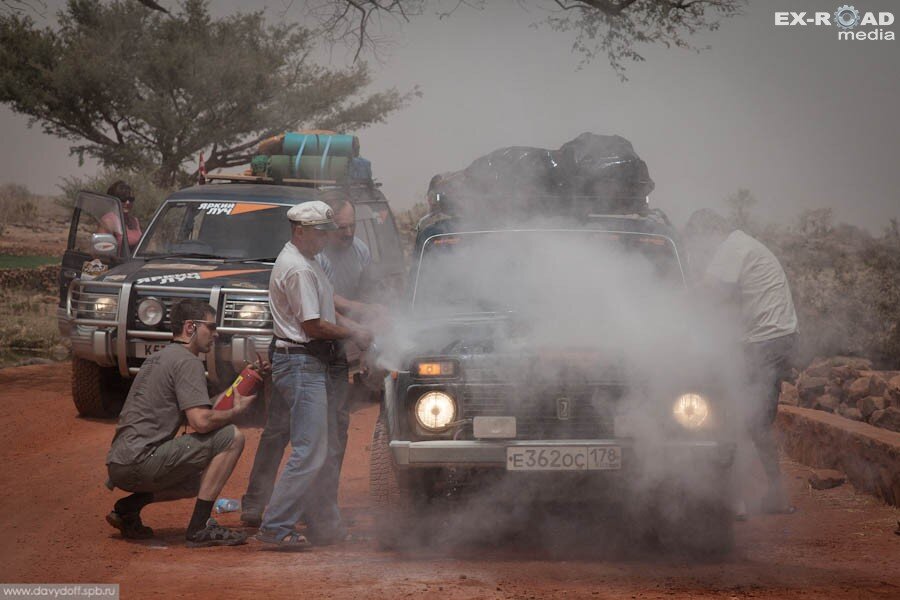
pixel 509 270
pixel 226 230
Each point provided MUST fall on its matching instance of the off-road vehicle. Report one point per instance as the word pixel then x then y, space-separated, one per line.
pixel 488 392
pixel 216 242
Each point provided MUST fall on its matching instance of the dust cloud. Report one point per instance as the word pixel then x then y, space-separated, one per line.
pixel 553 306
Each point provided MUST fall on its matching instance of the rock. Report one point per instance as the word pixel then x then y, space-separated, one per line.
pixel 818 369
pixel 834 389
pixel 878 386
pixel 888 418
pixel 856 363
pixel 843 373
pixel 59 352
pixel 789 394
pixel 870 404
pixel 810 388
pixel 859 388
pixel 827 403
pixel 848 412
pixel 893 391
pixel 825 479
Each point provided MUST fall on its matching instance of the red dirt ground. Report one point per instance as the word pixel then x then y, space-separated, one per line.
pixel 841 543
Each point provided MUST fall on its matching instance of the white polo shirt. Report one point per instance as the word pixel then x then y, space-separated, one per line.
pixel 767 309
pixel 299 291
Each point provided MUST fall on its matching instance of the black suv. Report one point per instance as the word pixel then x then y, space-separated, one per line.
pixel 217 242
pixel 532 360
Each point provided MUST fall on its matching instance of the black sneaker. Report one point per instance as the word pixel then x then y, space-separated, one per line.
pixel 215 535
pixel 129 525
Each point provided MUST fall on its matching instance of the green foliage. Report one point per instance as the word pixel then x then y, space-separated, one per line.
pixel 138 89
pixel 26 262
pixel 148 196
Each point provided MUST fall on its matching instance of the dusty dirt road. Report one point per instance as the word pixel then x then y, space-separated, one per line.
pixel 841 544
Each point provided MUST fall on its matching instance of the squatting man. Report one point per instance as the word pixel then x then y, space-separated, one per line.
pixel 148 460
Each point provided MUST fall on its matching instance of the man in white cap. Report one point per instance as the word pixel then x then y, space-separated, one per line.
pixel 306 328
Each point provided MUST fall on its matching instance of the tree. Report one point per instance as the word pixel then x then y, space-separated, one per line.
pixel 739 206
pixel 136 88
pixel 611 27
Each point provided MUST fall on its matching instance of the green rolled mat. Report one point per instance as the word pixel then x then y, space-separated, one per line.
pixel 341 145
pixel 259 165
pixel 280 167
pixel 311 168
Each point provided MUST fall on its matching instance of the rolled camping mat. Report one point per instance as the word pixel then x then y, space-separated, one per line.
pixel 337 145
pixel 311 168
pixel 280 167
pixel 271 145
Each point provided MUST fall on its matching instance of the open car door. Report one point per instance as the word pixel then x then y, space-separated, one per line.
pixel 96 243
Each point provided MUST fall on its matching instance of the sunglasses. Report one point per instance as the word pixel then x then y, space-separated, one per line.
pixel 127 200
pixel 209 324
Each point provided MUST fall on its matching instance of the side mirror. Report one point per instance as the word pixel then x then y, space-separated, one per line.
pixel 104 244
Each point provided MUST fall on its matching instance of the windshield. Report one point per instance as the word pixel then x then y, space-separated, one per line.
pixel 539 271
pixel 204 229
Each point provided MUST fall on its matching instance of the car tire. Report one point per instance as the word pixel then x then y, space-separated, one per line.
pixel 391 493
pixel 698 528
pixel 97 391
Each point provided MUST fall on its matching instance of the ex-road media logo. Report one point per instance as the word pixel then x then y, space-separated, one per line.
pixel 851 23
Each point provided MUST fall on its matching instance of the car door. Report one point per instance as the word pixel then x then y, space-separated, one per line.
pixel 96 243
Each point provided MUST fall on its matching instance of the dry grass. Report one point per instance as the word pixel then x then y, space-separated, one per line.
pixel 28 320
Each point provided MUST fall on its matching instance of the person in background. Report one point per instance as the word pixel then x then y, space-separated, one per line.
pixel 147 459
pixel 742 272
pixel 109 223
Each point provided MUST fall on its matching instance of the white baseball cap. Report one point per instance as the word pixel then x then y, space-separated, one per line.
pixel 315 214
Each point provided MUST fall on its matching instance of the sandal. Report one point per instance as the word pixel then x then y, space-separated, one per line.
pixel 292 540
pixel 215 535
pixel 129 525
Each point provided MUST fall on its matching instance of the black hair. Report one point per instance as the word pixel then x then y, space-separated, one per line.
pixel 189 309
pixel 120 190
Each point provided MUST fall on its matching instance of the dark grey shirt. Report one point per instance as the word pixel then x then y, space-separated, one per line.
pixel 169 382
pixel 347 268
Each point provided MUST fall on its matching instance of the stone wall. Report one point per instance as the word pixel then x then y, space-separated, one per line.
pixel 850 388
pixel 868 455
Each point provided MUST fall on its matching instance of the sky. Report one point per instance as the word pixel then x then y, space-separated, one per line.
pixel 800 118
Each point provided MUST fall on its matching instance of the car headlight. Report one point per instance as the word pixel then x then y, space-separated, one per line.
pixel 105 307
pixel 150 312
pixel 691 411
pixel 435 411
pixel 253 315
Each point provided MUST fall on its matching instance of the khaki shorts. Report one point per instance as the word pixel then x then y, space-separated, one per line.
pixel 175 466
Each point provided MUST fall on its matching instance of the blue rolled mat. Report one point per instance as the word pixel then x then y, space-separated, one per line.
pixel 338 144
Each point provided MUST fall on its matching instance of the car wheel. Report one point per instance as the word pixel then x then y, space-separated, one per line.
pixel 97 391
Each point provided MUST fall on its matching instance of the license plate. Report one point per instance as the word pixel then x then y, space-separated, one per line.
pixel 142 350
pixel 563 458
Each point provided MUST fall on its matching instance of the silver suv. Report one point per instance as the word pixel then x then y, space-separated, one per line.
pixel 216 242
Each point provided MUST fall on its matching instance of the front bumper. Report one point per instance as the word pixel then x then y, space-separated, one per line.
pixel 492 454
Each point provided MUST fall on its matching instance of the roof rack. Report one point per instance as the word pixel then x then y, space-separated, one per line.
pixel 264 179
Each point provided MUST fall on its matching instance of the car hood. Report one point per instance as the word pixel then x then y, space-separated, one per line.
pixel 498 348
pixel 191 273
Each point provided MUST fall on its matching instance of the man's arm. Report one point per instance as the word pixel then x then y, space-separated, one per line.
pixel 326 330
pixel 204 419
pixel 359 310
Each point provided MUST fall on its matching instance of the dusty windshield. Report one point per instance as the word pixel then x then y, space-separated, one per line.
pixel 200 228
pixel 535 272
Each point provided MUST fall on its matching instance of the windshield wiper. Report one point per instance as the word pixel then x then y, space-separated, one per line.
pixel 183 255
pixel 245 260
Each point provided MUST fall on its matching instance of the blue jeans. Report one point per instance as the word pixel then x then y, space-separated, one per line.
pixel 277 435
pixel 303 487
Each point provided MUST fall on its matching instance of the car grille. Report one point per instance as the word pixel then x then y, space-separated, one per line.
pixel 168 301
pixel 591 409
